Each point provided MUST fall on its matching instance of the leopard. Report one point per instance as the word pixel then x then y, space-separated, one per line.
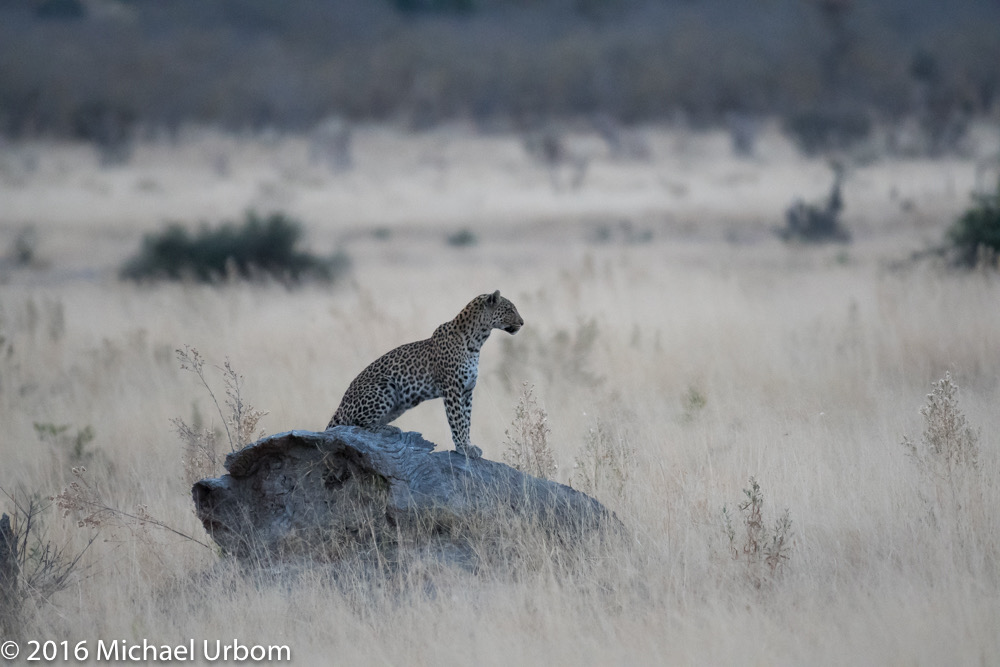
pixel 446 365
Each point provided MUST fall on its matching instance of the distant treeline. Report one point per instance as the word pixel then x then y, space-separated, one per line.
pixel 88 68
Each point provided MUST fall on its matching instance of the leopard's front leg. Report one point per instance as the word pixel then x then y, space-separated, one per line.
pixel 458 408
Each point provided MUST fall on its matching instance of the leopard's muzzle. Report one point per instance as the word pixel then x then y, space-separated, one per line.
pixel 513 327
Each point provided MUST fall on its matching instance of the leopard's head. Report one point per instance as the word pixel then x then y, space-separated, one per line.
pixel 484 314
pixel 502 313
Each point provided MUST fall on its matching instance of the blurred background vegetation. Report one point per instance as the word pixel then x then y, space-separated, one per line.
pixel 103 70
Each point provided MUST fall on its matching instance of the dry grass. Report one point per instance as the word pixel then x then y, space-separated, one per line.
pixel 527 439
pixel 707 361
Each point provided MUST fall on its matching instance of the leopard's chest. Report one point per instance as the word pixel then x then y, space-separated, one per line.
pixel 468 372
pixel 455 364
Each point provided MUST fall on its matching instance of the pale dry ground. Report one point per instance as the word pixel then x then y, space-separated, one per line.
pixel 813 364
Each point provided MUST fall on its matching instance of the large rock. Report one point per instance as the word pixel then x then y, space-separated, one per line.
pixel 384 495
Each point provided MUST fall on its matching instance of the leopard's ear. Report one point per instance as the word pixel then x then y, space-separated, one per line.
pixel 493 299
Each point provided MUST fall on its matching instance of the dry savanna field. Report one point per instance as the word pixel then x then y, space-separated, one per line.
pixel 676 345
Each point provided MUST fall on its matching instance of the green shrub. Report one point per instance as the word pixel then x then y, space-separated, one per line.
pixel 463 238
pixel 975 236
pixel 693 402
pixel 75 447
pixel 260 247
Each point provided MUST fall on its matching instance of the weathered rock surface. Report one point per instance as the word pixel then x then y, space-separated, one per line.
pixel 348 491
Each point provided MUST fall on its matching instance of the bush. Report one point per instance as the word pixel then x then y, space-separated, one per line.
pixel 528 448
pixel 262 246
pixel 758 546
pixel 951 481
pixel 606 462
pixel 817 223
pixel 463 238
pixel 32 567
pixel 948 442
pixel 975 236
